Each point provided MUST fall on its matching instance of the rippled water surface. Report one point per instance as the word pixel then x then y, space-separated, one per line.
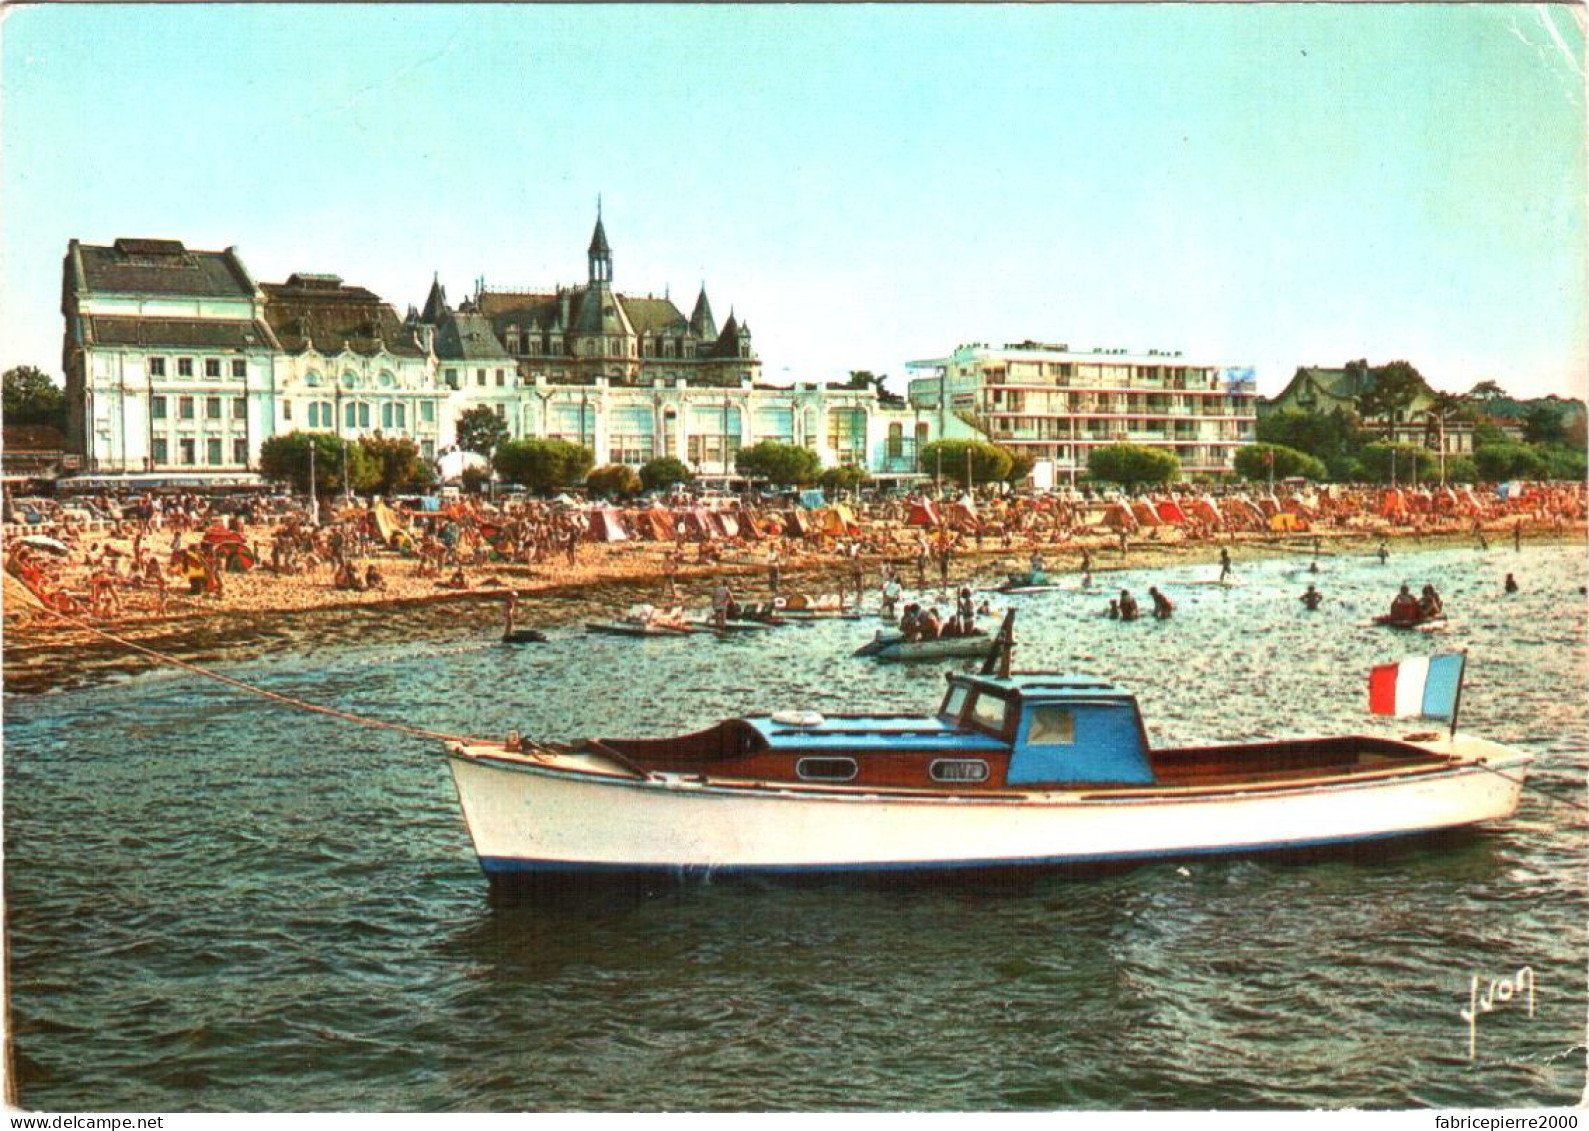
pixel 217 903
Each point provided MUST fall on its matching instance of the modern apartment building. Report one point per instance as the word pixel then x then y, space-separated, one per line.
pixel 1058 404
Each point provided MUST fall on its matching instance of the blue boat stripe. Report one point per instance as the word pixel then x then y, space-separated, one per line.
pixel 1440 686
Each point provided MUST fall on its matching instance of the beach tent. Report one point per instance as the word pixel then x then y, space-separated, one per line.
pixel 1206 511
pixel 606 525
pixel 796 524
pixel 1144 513
pixel 837 522
pixel 1117 516
pixel 922 513
pixel 812 500
pixel 1392 503
pixel 727 524
pixel 1170 511
pixel 1282 523
pixel 960 516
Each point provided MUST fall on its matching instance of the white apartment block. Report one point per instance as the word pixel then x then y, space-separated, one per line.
pixel 1059 404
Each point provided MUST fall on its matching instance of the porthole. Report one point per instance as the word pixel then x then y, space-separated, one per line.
pixel 959 770
pixel 826 769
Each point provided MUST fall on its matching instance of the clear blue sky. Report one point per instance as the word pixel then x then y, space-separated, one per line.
pixel 1265 185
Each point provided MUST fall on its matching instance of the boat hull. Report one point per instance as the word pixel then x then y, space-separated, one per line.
pixel 529 817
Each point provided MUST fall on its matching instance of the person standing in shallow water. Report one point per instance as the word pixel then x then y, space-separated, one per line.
pixel 1163 607
pixel 1511 584
pixel 1224 564
pixel 1312 598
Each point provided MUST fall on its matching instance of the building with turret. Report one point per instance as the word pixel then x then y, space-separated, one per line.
pixel 575 334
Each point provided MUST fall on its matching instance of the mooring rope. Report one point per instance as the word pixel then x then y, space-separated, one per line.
pixel 240 685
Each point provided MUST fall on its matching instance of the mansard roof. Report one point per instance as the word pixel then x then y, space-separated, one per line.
pixel 524 309
pixel 176 333
pixel 468 336
pixel 654 315
pixel 598 311
pixel 156 267
pixel 323 310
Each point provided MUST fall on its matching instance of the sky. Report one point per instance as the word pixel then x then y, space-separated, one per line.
pixel 1255 185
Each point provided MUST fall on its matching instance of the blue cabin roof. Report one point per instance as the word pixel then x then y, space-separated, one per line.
pixel 1044 686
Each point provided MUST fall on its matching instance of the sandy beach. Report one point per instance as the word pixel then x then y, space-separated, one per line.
pixel 224 624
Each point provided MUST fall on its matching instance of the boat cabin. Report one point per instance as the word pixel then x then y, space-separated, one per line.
pixel 1023 731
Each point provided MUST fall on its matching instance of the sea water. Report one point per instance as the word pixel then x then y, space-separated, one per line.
pixel 217 902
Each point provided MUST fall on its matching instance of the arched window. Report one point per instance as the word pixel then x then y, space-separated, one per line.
pixel 896 440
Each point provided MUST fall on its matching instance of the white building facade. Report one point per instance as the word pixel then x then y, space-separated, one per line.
pixel 178 363
pixel 1058 404
pixel 169 361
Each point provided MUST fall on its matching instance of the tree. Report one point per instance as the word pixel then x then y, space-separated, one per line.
pixel 866 379
pixel 1262 462
pixel 1132 464
pixel 846 478
pixel 949 459
pixel 286 459
pixel 1487 391
pixel 32 398
pixel 663 472
pixel 1498 462
pixel 1542 424
pixel 1387 463
pixel 398 466
pixel 542 465
pixel 1334 438
pixel 481 430
pixel 778 463
pixel 613 480
pixel 1391 390
pixel 1022 462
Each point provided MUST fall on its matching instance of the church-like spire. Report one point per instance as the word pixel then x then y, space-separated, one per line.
pixel 600 252
pixel 702 324
pixel 436 303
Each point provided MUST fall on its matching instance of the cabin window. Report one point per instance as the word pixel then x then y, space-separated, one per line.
pixel 958 770
pixel 1051 726
pixel 954 703
pixel 826 769
pixel 989 712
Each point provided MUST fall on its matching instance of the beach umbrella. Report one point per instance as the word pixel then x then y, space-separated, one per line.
pixel 44 542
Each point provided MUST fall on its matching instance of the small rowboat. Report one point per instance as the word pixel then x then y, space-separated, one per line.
pixel 1424 624
pixel 643 620
pixel 892 647
pixel 1013 771
pixel 636 628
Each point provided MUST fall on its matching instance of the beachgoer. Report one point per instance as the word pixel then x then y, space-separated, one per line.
pixel 1163 607
pixel 1511 584
pixel 1224 564
pixel 1429 603
pixel 722 598
pixel 1383 551
pixel 1312 598
pixel 1128 606
pixel 1404 607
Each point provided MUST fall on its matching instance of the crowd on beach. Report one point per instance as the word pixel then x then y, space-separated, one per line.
pixel 133 557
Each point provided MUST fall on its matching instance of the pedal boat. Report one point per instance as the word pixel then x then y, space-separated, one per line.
pixel 1014 771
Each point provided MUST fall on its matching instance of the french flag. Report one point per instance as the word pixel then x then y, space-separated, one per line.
pixel 1425 686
